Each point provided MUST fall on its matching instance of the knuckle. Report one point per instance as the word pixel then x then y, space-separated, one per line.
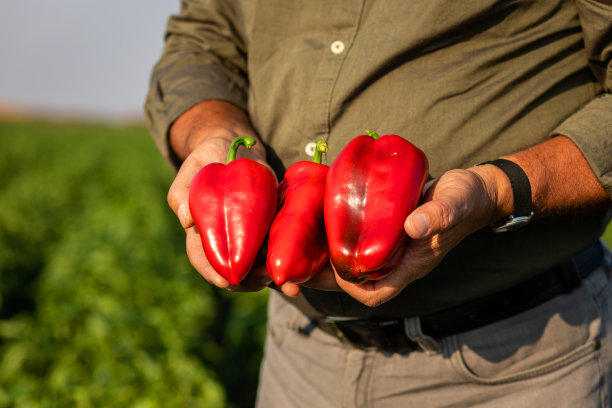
pixel 374 299
pixel 445 214
pixel 173 197
pixel 369 301
pixel 436 246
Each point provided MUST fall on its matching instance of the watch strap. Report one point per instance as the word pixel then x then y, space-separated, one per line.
pixel 521 192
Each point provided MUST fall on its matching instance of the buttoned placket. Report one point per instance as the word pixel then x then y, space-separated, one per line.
pixel 317 117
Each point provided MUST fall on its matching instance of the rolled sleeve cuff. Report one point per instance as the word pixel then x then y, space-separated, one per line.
pixel 169 98
pixel 591 130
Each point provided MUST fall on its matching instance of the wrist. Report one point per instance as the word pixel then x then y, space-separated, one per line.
pixel 522 201
pixel 498 189
pixel 214 119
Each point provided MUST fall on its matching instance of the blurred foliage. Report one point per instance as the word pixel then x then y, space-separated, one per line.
pixel 99 305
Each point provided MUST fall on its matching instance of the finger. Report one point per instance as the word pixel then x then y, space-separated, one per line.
pixel 178 194
pixel 417 261
pixel 429 188
pixel 256 280
pixel 417 224
pixel 197 257
pixel 290 289
pixel 324 280
pixel 435 216
pixel 374 293
pixel 429 219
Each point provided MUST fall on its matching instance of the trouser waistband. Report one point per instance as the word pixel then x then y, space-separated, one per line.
pixel 389 334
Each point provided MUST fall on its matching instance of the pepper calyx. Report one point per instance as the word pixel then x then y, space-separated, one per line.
pixel 372 134
pixel 319 150
pixel 245 141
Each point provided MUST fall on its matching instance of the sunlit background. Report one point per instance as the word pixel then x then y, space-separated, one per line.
pixel 81 57
pixel 99 306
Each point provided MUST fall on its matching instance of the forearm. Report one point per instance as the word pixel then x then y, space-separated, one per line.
pixel 561 180
pixel 200 136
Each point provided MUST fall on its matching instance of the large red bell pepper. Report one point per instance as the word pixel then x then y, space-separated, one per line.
pixel 233 206
pixel 372 186
pixel 297 245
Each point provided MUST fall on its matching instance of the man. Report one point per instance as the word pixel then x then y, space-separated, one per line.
pixel 469 316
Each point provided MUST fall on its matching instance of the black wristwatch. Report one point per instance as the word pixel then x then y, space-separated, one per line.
pixel 521 191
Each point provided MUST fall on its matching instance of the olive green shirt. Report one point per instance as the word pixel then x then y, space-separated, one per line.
pixel 463 81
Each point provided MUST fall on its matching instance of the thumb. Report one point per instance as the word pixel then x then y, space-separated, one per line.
pixel 430 219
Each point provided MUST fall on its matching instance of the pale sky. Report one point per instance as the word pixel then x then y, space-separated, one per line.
pixel 83 56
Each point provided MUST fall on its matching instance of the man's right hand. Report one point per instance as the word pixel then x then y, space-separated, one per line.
pixel 203 135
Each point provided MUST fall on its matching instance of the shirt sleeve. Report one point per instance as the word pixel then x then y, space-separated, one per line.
pixel 204 58
pixel 590 128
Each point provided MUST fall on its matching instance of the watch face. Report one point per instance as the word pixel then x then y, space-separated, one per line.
pixel 512 223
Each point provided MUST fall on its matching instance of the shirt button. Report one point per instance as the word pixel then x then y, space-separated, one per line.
pixel 337 47
pixel 310 149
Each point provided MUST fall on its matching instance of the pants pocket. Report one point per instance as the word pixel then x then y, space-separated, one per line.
pixel 547 338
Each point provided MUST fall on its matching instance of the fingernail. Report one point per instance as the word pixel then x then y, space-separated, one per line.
pixel 420 224
pixel 182 214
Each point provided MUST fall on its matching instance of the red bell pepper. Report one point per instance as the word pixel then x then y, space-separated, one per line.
pixel 297 245
pixel 233 206
pixel 371 187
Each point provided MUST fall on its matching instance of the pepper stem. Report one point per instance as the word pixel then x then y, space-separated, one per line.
pixel 372 133
pixel 246 141
pixel 319 150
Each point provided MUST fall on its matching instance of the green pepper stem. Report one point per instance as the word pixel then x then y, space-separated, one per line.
pixel 246 141
pixel 372 134
pixel 319 150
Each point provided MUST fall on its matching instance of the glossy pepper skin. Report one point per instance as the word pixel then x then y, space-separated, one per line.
pixel 297 245
pixel 233 206
pixel 371 187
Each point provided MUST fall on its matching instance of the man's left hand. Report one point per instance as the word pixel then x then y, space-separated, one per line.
pixel 454 206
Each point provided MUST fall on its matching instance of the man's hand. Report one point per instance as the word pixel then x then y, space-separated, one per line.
pixel 455 205
pixel 463 201
pixel 201 136
pixel 210 150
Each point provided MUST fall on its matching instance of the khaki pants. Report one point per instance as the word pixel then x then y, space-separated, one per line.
pixel 558 354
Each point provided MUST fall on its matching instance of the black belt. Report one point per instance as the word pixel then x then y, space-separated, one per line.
pixel 388 334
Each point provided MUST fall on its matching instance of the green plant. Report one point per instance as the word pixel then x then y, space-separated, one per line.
pixel 99 304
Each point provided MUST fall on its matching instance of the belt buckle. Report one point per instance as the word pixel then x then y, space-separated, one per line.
pixel 332 323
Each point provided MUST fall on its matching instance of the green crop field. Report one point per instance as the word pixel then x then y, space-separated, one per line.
pixel 99 306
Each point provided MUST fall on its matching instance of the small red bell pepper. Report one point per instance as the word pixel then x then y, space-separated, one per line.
pixel 297 245
pixel 372 186
pixel 233 206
